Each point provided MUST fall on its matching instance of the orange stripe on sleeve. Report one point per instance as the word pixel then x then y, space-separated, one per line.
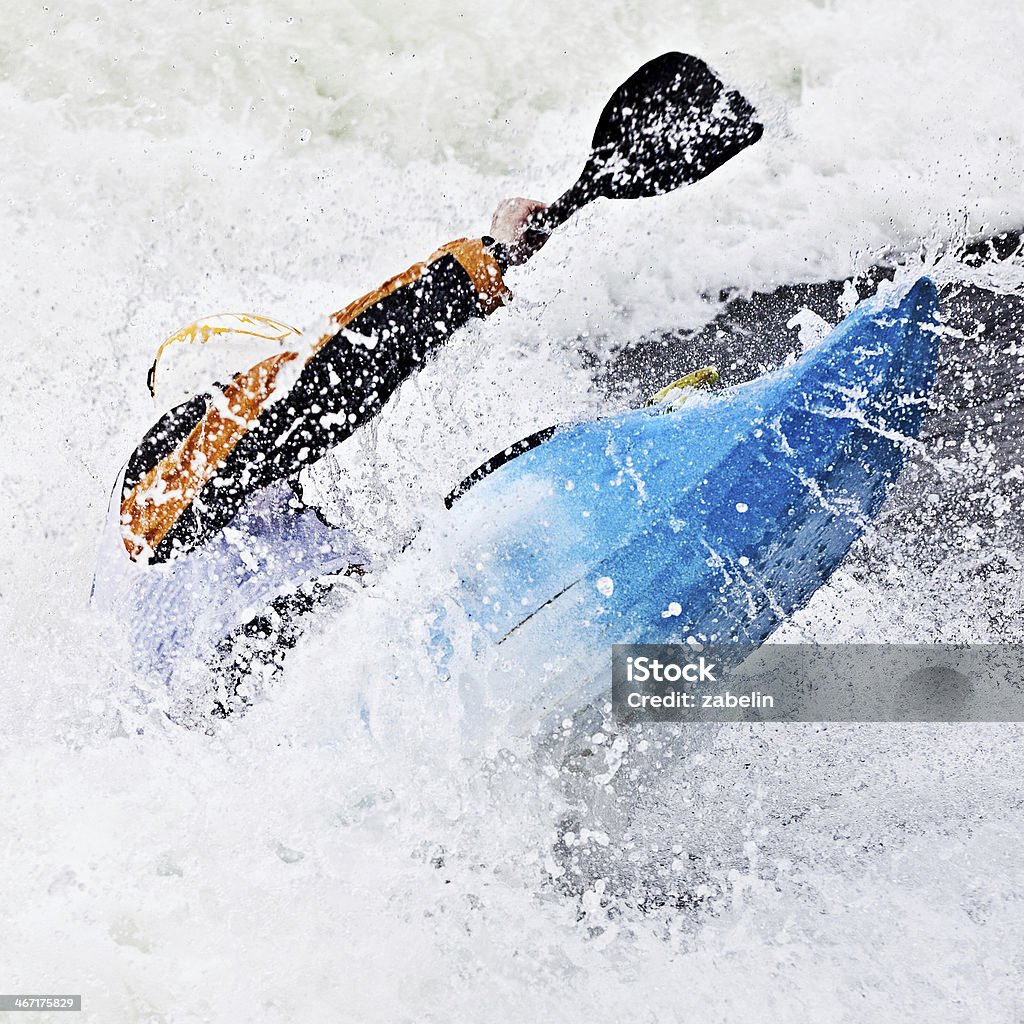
pixel 481 267
pixel 154 504
pixel 483 271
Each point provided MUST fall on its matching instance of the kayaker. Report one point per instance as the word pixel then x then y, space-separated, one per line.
pixel 197 467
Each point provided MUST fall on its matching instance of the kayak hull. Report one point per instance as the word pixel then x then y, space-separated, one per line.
pixel 714 522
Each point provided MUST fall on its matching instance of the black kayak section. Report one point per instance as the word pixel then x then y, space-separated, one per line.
pixel 751 334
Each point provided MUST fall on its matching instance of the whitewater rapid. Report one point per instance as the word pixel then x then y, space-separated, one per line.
pixel 161 161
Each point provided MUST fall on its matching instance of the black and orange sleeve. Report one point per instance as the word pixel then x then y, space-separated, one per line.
pixel 194 469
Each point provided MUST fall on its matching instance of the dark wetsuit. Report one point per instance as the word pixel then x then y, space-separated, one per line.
pixel 194 470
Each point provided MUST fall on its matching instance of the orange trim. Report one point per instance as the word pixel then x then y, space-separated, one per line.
pixel 483 271
pixel 153 505
pixel 480 265
pixel 345 316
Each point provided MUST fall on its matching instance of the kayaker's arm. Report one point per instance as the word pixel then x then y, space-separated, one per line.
pixel 195 468
pixel 669 124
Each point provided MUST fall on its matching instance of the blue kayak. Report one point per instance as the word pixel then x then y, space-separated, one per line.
pixel 715 521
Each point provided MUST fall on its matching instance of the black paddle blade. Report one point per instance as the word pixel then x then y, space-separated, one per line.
pixel 669 124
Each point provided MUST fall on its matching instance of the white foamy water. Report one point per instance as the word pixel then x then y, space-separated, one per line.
pixel 161 161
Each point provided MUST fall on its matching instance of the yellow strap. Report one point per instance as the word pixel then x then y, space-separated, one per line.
pixel 217 325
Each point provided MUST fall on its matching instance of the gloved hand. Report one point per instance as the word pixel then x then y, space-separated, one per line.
pixel 508 225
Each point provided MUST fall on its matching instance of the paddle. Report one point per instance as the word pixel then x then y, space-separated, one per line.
pixel 670 123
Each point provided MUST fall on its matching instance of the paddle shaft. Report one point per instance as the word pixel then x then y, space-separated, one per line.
pixel 546 221
pixel 554 216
